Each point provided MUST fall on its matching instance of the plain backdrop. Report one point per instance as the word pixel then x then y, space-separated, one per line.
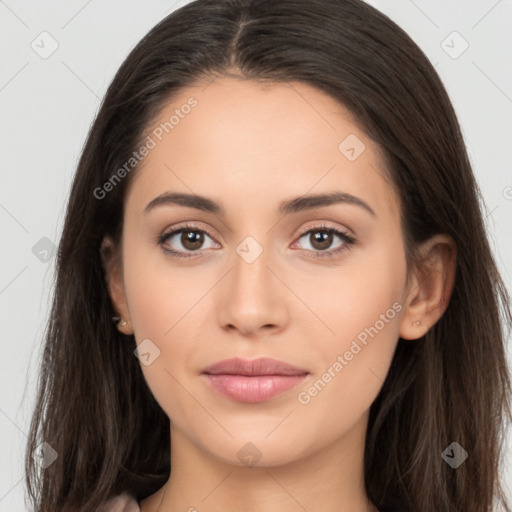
pixel 48 103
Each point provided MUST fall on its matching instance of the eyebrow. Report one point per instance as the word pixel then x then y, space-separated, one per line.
pixel 289 206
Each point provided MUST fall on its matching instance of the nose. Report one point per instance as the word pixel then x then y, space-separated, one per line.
pixel 253 297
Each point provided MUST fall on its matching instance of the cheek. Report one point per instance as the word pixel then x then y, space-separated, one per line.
pixel 359 296
pixel 160 298
pixel 159 291
pixel 361 311
pixel 160 307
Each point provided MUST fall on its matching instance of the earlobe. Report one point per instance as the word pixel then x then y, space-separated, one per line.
pixel 430 288
pixel 114 280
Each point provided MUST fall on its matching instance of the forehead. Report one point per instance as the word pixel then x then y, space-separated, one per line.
pixel 253 140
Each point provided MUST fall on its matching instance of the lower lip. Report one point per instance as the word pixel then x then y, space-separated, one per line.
pixel 253 389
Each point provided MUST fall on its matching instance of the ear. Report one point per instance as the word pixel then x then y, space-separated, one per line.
pixel 110 256
pixel 430 287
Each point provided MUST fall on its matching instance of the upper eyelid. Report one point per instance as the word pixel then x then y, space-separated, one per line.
pixel 323 225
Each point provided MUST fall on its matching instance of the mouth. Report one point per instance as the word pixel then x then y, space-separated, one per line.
pixel 253 381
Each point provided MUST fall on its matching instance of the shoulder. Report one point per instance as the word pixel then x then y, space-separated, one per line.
pixel 122 503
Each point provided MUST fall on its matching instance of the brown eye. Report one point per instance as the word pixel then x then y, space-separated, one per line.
pixel 321 240
pixel 184 241
pixel 191 240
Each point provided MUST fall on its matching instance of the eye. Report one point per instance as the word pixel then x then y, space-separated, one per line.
pixel 321 238
pixel 191 239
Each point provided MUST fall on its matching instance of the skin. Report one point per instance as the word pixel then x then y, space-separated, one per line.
pixel 250 145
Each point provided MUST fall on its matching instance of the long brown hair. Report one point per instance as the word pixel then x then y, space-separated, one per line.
pixel 93 405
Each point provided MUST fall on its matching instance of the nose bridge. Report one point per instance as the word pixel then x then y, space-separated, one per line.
pixel 250 262
pixel 251 295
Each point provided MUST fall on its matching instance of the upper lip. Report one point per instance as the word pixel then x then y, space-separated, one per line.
pixel 261 366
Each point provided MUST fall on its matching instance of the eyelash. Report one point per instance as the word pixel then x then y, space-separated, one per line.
pixel 347 239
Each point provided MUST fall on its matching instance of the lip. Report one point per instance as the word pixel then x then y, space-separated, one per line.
pixel 253 367
pixel 254 380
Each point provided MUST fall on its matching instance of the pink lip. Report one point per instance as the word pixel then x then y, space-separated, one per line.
pixel 254 380
pixel 261 366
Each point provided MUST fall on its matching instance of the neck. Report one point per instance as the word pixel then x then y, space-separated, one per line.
pixel 328 480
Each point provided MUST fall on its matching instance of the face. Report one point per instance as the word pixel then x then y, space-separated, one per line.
pixel 320 288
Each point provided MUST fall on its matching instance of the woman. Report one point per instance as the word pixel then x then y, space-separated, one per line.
pixel 269 295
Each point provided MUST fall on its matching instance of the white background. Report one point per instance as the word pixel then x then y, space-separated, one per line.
pixel 47 106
